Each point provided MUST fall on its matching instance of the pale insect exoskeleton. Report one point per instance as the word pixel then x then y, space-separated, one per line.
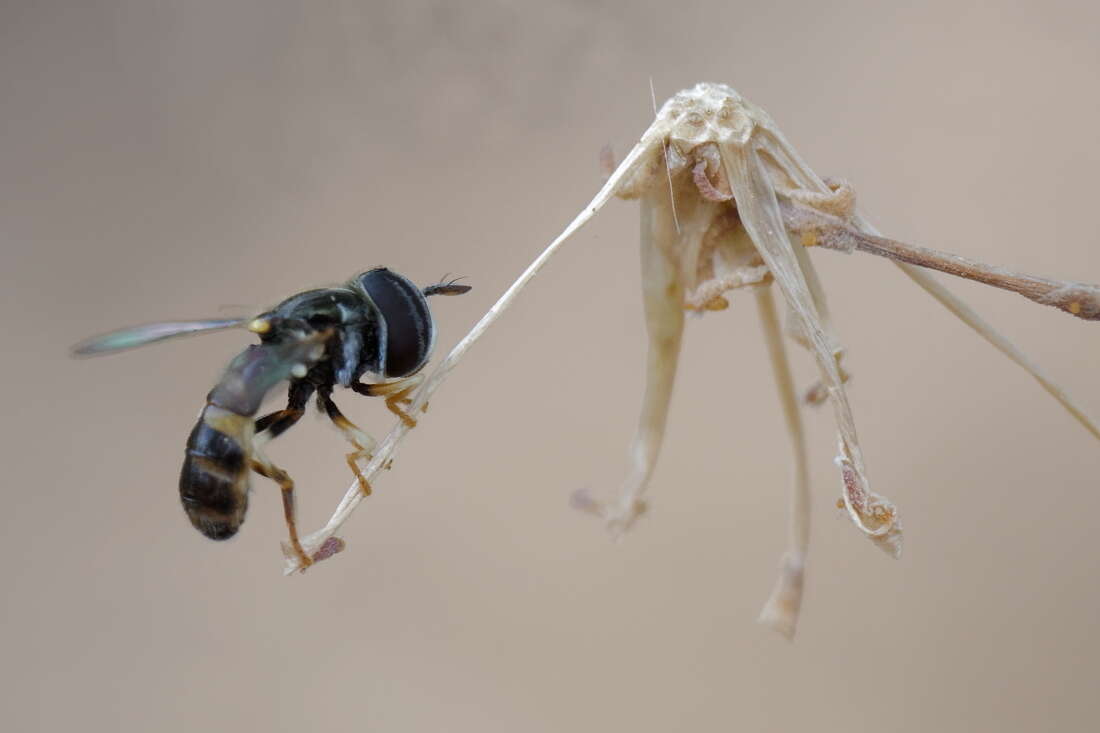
pixel 726 204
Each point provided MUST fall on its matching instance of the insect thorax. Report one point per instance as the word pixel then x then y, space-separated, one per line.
pixel 357 344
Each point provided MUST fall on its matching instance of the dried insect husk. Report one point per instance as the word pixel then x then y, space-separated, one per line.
pixel 710 165
pixel 745 208
pixel 725 162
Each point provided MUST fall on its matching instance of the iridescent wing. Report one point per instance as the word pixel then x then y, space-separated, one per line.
pixel 130 338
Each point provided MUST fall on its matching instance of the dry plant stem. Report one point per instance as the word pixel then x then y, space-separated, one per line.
pixel 1077 299
pixel 968 316
pixel 387 449
pixel 810 182
pixel 781 610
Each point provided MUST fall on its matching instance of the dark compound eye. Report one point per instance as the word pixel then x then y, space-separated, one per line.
pixel 409 326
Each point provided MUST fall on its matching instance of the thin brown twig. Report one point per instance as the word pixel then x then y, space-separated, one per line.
pixel 817 228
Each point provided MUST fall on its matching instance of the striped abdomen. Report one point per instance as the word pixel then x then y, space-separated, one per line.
pixel 214 478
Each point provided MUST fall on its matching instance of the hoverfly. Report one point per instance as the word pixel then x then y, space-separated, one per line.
pixel 377 323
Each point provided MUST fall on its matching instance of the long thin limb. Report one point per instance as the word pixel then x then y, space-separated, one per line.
pixel 781 610
pixel 264 467
pixel 364 444
pixel 968 316
pixel 662 296
pixel 760 213
pixel 396 394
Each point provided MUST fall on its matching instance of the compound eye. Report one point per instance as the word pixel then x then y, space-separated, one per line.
pixel 410 333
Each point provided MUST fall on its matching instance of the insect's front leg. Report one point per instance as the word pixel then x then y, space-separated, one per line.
pixel 396 394
pixel 363 442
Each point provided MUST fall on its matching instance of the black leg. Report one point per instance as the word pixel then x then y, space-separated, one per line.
pixel 280 421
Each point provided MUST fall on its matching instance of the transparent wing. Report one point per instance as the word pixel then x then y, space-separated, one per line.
pixel 129 338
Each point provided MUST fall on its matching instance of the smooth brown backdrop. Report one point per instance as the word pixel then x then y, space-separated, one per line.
pixel 160 160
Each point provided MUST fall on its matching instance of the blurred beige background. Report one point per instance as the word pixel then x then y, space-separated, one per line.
pixel 160 160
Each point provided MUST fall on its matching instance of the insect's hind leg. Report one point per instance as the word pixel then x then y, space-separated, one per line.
pixel 396 394
pixel 272 426
pixel 264 467
pixel 363 442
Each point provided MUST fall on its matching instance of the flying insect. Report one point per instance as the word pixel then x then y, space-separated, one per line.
pixel 378 324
